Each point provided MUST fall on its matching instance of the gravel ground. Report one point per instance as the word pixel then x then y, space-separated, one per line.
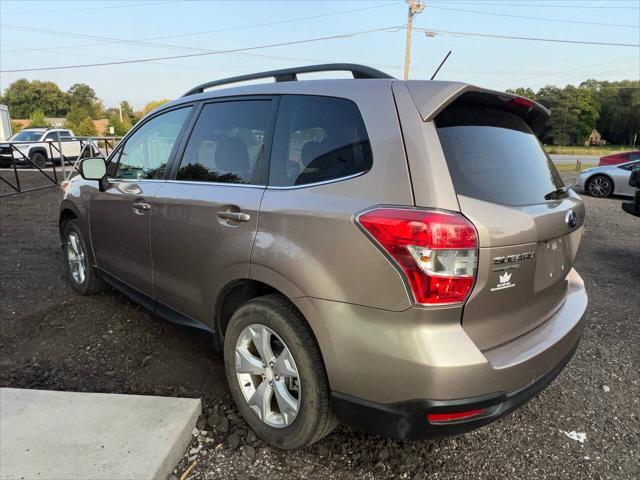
pixel 51 338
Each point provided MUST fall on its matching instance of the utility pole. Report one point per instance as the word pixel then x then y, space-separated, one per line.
pixel 415 7
pixel 120 110
pixel 564 125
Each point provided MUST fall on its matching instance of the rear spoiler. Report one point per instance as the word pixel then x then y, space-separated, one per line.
pixel 432 97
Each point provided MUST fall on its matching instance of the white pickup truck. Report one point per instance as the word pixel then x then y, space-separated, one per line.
pixel 34 143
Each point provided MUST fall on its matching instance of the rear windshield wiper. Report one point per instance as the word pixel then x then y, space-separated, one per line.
pixel 557 193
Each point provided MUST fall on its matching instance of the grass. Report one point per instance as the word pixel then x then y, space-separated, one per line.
pixel 570 167
pixel 582 150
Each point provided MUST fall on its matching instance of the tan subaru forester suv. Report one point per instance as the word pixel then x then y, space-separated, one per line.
pixel 392 255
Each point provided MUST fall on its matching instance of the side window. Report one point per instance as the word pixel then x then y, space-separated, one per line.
pixel 318 139
pixel 226 143
pixel 630 166
pixel 52 136
pixel 147 150
pixel 634 156
pixel 65 134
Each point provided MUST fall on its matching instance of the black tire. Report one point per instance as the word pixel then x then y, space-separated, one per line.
pixel 40 159
pixel 314 418
pixel 91 282
pixel 599 186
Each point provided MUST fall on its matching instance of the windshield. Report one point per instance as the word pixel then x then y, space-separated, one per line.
pixel 494 156
pixel 26 136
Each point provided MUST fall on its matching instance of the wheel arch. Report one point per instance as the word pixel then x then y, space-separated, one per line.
pixel 34 150
pixel 235 294
pixel 240 291
pixel 69 211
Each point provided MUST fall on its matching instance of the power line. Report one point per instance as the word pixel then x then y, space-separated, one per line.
pixel 110 7
pixel 535 39
pixel 565 73
pixel 277 22
pixel 143 41
pixel 172 46
pixel 208 53
pixel 549 5
pixel 538 72
pixel 296 42
pixel 546 19
pixel 251 55
pixel 181 65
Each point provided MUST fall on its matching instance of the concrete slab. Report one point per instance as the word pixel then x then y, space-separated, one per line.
pixel 68 435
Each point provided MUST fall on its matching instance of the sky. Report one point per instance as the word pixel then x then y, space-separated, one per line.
pixel 38 34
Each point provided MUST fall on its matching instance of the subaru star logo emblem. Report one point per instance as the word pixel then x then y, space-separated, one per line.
pixel 571 219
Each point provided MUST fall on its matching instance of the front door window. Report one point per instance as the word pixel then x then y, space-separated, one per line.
pixel 147 151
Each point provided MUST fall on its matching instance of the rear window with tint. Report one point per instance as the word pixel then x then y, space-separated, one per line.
pixel 318 139
pixel 494 156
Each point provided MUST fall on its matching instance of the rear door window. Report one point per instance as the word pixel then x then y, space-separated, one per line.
pixel 494 156
pixel 226 144
pixel 318 139
pixel 53 135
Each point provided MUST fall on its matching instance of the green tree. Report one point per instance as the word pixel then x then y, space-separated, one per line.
pixel 574 113
pixel 127 110
pixel 24 97
pixel 120 127
pixel 37 119
pixel 523 92
pixel 615 106
pixel 619 109
pixel 76 116
pixel 152 105
pixel 86 128
pixel 83 96
pixel 111 111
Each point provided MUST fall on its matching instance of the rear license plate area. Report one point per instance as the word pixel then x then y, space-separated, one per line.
pixel 552 262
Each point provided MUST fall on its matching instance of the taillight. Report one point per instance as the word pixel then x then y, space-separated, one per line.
pixel 436 250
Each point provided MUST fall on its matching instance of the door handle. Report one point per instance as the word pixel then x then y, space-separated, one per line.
pixel 140 207
pixel 237 216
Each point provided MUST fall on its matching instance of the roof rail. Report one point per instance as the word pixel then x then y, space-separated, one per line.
pixel 290 74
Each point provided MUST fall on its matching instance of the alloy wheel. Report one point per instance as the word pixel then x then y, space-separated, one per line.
pixel 599 187
pixel 268 376
pixel 76 258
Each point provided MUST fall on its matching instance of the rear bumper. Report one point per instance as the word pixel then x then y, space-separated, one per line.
pixel 408 420
pixel 403 365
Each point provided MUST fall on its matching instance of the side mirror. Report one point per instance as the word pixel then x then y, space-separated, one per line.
pixel 93 168
pixel 634 179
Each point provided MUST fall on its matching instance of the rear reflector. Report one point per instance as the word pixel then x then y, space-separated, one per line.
pixel 436 250
pixel 454 416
